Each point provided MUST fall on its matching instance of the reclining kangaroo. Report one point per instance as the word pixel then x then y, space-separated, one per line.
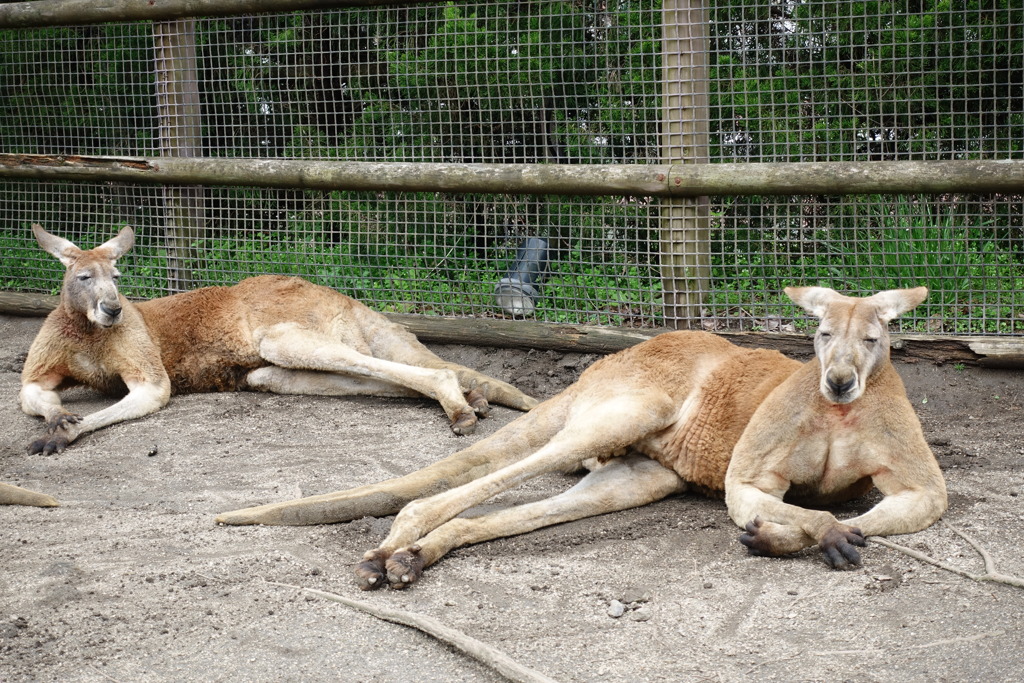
pixel 270 333
pixel 682 411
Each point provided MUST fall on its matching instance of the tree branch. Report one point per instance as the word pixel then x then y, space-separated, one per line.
pixel 991 572
pixel 478 650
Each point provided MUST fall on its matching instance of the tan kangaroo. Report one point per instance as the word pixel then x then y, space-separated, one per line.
pixel 682 411
pixel 269 333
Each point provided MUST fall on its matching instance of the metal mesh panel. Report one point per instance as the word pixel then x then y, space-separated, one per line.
pixel 956 246
pixel 78 90
pixel 843 81
pixel 544 82
pixel 494 82
pixel 601 264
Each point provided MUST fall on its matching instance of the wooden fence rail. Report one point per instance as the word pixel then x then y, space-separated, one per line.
pixel 661 180
pixel 983 351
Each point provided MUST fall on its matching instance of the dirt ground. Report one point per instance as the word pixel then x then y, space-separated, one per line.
pixel 131 580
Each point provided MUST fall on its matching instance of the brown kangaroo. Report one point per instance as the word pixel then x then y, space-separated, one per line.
pixel 682 411
pixel 269 333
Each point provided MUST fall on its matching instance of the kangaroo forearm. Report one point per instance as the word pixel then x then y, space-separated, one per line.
pixel 746 503
pixel 42 402
pixel 140 401
pixel 903 513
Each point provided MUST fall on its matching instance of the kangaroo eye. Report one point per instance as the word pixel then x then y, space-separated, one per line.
pixel 83 277
pixel 870 341
pixel 825 335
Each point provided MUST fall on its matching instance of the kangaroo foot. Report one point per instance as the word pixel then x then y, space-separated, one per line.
pixel 370 572
pixel 49 444
pixel 837 545
pixel 405 567
pixel 464 423
pixel 478 402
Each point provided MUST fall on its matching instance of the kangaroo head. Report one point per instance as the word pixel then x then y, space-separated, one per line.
pixel 90 281
pixel 853 337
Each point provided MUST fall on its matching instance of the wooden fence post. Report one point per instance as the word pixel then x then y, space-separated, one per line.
pixel 685 222
pixel 180 134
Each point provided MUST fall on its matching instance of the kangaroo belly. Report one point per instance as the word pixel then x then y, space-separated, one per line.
pixel 694 449
pixel 202 373
pixel 205 339
pixel 714 414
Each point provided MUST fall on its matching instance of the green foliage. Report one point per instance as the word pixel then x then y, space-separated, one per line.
pixel 524 82
pixel 553 82
pixel 907 248
pixel 873 243
pixel 93 96
pixel 940 79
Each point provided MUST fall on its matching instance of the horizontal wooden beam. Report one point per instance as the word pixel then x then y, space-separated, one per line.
pixel 27 305
pixel 526 334
pixel 689 180
pixel 77 12
pixel 910 348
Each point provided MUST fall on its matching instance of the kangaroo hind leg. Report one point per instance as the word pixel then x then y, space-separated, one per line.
pixel 292 346
pixel 596 426
pixel 277 380
pixel 397 344
pixel 620 484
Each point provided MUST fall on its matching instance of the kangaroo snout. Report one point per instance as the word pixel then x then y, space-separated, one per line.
pixel 840 385
pixel 111 309
pixel 107 313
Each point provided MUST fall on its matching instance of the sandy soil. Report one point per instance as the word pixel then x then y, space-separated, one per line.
pixel 131 580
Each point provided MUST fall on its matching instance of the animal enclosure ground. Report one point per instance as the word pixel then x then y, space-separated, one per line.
pixel 130 580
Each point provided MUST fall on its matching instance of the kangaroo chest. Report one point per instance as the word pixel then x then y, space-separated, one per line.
pixel 100 373
pixel 830 452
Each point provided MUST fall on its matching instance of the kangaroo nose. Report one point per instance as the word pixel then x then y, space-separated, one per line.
pixel 113 310
pixel 840 388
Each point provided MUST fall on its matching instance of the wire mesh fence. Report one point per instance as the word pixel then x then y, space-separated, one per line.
pixel 541 82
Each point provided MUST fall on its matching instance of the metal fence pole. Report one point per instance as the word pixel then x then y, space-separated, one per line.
pixel 685 222
pixel 180 131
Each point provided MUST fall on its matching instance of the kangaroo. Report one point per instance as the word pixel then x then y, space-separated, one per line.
pixel 268 333
pixel 684 411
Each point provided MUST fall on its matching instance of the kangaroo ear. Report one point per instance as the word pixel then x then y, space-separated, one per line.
pixel 814 300
pixel 895 302
pixel 115 248
pixel 58 247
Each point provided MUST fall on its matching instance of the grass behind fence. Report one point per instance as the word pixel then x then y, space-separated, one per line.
pixel 598 274
pixel 974 271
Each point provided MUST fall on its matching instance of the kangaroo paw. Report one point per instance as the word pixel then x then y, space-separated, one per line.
pixel 756 542
pixel 837 545
pixel 61 421
pixel 370 572
pixel 478 402
pixel 405 567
